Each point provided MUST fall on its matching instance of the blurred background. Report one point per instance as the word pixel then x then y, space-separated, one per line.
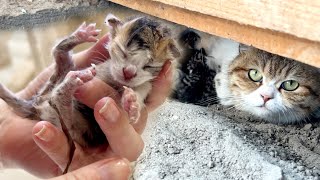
pixel 25 53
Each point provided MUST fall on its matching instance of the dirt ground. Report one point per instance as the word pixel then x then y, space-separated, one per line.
pixel 185 141
pixel 191 142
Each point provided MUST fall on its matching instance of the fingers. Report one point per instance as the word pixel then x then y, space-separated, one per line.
pixel 122 137
pixel 108 169
pixel 96 54
pixel 161 87
pixel 18 149
pixel 52 141
pixel 91 92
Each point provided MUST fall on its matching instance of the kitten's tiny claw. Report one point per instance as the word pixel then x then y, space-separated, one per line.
pixel 93 66
pixel 130 104
pixel 79 81
pixel 86 33
pixel 91 27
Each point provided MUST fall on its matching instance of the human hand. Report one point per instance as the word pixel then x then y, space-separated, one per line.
pixel 18 148
pixel 123 138
pixel 114 168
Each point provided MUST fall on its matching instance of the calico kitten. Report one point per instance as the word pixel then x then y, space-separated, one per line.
pixel 195 81
pixel 271 87
pixel 138 49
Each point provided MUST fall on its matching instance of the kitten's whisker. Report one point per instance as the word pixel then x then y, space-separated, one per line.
pixel 208 101
pixel 95 61
pixel 99 60
pixel 104 56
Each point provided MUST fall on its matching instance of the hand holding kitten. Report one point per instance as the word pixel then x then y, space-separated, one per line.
pixel 26 154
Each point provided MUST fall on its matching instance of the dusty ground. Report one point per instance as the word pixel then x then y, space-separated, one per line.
pixel 191 142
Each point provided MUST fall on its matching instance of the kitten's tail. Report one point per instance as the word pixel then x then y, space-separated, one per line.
pixel 23 108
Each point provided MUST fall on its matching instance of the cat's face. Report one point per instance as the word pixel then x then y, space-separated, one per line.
pixel 138 49
pixel 274 88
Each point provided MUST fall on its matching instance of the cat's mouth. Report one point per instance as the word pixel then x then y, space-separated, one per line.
pixel 263 107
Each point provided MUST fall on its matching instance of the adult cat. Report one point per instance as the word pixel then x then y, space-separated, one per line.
pixel 271 87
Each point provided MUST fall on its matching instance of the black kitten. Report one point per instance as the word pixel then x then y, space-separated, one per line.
pixel 196 80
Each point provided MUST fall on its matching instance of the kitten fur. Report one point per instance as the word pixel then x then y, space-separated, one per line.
pixel 139 47
pixel 203 55
pixel 235 88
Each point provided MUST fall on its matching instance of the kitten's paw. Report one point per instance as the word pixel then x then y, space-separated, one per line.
pixel 87 33
pixel 75 79
pixel 130 104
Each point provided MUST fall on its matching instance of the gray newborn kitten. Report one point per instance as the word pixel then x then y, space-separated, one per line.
pixel 138 49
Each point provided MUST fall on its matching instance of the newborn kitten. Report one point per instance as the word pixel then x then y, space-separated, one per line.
pixel 274 88
pixel 194 74
pixel 138 49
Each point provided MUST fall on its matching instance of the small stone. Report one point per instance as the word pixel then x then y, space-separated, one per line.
pixel 271 154
pixel 170 150
pixel 281 162
pixel 307 127
pixel 23 11
pixel 210 164
pixel 308 172
pixel 300 168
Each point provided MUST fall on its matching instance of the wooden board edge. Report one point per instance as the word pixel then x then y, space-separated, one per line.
pixel 275 42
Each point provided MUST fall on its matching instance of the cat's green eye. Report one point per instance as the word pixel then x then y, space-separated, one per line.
pixel 255 75
pixel 290 85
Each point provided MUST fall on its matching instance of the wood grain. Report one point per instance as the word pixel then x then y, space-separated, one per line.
pixel 275 42
pixel 300 18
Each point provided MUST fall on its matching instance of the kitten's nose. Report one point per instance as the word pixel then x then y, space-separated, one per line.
pixel 129 72
pixel 266 98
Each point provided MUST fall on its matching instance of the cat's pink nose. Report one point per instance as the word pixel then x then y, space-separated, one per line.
pixel 266 98
pixel 129 72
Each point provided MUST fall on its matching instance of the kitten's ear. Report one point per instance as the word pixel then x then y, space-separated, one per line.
pixel 113 23
pixel 173 48
pixel 164 31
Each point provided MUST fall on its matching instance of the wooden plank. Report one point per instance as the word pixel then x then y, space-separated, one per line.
pixel 275 42
pixel 300 18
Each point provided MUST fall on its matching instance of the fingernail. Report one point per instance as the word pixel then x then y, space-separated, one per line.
pixel 110 111
pixel 44 134
pixel 118 169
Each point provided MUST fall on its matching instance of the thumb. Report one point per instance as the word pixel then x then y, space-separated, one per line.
pixel 106 169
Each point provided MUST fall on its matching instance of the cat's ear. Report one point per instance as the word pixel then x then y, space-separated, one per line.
pixel 243 48
pixel 113 23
